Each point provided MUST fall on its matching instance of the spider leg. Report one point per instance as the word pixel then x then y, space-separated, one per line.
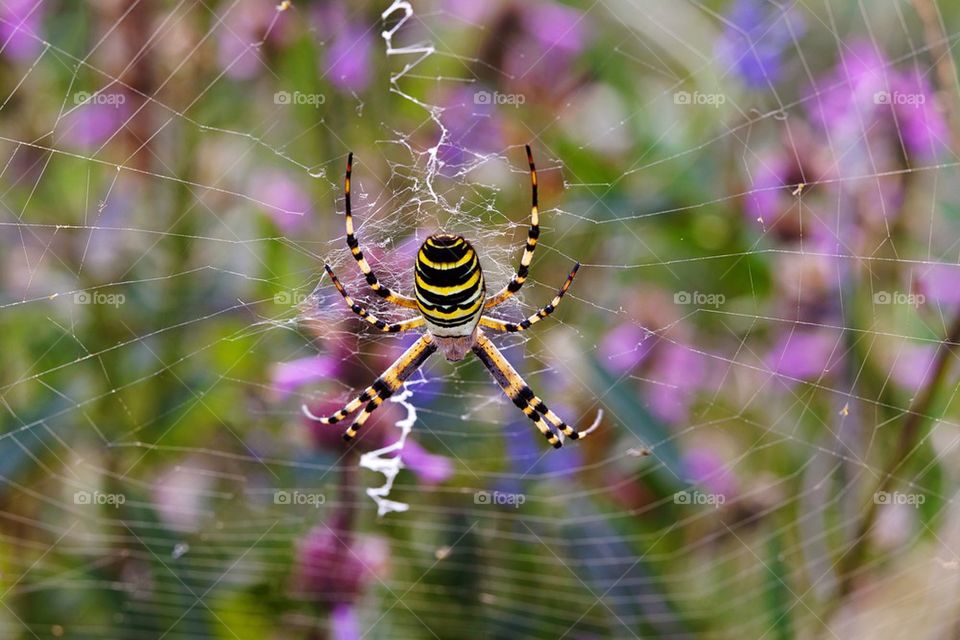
pixel 502 326
pixel 382 388
pixel 360 310
pixel 517 281
pixel 522 396
pixel 384 292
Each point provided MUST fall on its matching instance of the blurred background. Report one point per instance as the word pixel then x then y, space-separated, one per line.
pixel 764 198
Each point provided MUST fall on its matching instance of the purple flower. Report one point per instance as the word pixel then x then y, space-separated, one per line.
pixel 344 623
pixel 938 283
pixel 914 366
pixel 288 204
pixel 703 467
pixel 473 129
pixel 287 377
pixel 347 60
pixel 20 28
pixel 469 11
pixel 558 29
pixel 771 202
pixel 552 37
pixel 247 23
pixel 333 567
pixel 923 128
pixel 677 372
pixel 624 348
pixel 870 109
pixel 180 495
pixel 94 122
pixel 766 201
pixel 805 353
pixel 430 469
pixel 757 33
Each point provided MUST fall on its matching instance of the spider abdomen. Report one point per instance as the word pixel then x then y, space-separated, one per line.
pixel 449 285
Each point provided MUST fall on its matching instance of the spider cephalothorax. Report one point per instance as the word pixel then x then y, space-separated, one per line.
pixel 450 294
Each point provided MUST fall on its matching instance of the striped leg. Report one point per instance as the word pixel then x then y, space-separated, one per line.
pixel 384 292
pixel 360 310
pixel 511 327
pixel 514 285
pixel 522 396
pixel 382 388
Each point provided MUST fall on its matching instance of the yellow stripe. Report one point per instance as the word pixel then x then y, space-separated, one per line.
pixel 449 291
pixel 421 257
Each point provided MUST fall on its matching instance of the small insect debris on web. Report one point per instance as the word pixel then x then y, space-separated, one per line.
pixel 639 452
pixel 799 189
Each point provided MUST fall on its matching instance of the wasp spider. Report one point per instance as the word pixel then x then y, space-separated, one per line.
pixel 450 294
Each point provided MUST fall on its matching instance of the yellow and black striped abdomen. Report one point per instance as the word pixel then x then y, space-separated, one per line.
pixel 449 285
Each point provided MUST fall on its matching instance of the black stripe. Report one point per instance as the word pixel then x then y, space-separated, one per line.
pixel 444 322
pixel 429 301
pixel 433 300
pixel 447 277
pixel 446 254
pixel 445 240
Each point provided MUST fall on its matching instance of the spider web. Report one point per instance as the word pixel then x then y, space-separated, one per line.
pixel 761 315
